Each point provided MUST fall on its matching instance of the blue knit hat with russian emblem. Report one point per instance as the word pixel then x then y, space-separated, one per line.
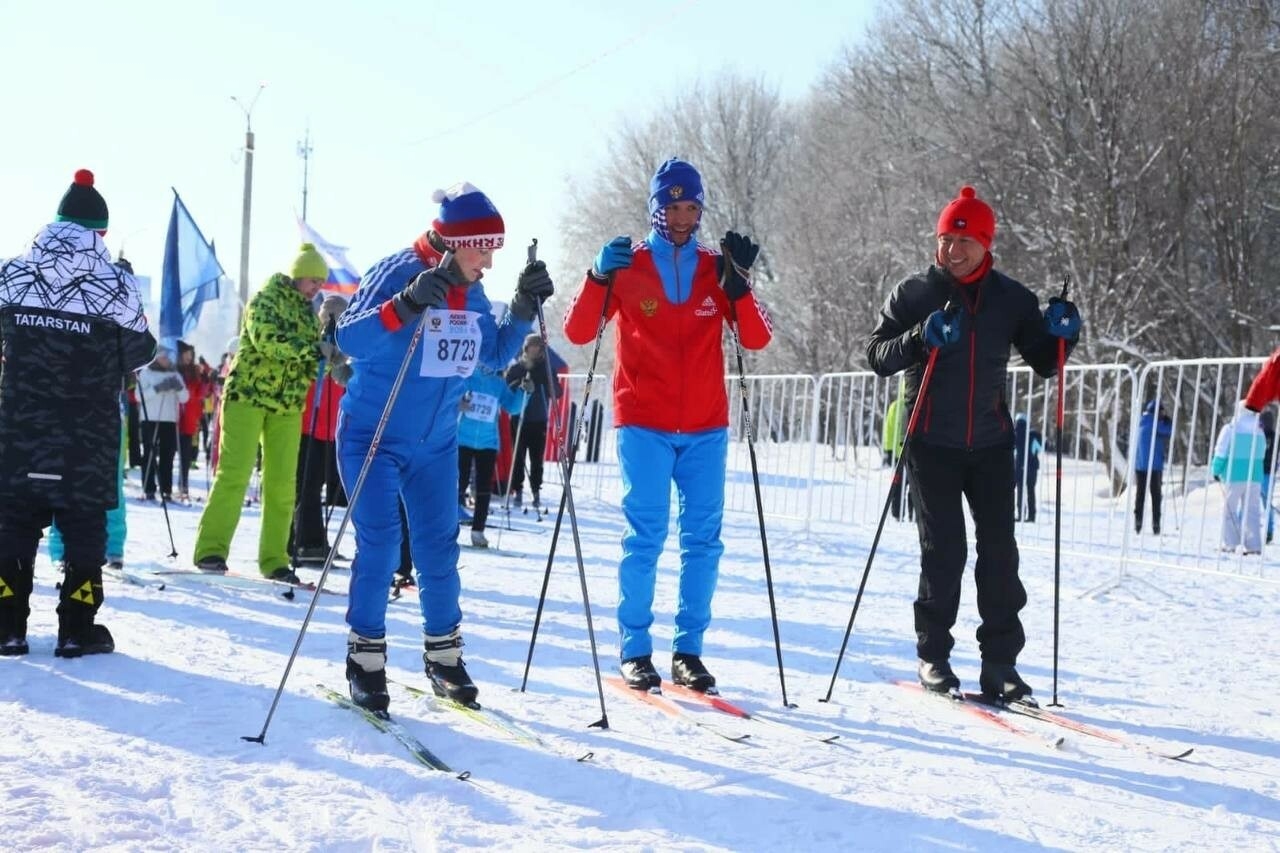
pixel 467 219
pixel 675 181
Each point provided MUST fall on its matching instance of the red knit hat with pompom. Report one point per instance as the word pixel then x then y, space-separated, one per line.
pixel 968 215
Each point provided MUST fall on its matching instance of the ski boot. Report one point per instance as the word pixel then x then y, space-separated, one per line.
pixel 938 677
pixel 367 672
pixel 212 564
pixel 687 670
pixel 448 674
pixel 1001 681
pixel 79 600
pixel 478 539
pixel 16 582
pixel 639 674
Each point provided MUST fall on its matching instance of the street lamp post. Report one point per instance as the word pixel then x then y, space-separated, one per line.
pixel 248 198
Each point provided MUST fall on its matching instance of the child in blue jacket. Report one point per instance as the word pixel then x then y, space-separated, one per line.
pixel 486 392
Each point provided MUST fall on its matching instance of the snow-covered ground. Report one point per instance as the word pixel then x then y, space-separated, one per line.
pixel 143 749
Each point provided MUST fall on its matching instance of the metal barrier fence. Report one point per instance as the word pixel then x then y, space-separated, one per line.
pixel 819 445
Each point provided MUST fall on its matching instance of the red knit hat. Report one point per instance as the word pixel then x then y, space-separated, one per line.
pixel 968 215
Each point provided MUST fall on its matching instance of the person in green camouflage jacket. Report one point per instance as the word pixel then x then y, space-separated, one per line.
pixel 263 399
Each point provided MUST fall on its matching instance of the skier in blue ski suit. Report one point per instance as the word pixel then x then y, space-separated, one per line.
pixel 478 441
pixel 417 457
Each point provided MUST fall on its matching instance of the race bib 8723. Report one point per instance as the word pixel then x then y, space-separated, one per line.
pixel 450 343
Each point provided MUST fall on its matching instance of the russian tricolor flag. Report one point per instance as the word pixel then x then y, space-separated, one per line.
pixel 343 277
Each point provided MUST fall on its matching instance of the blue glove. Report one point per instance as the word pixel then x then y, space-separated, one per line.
pixel 941 328
pixel 1061 319
pixel 614 255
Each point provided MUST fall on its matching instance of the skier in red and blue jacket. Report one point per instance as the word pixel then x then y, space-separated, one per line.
pixel 417 457
pixel 671 298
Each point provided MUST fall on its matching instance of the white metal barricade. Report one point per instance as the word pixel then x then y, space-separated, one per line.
pixel 821 457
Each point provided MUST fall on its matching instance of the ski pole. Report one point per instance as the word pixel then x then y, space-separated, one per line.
pixel 566 499
pixel 755 481
pixel 1057 509
pixel 884 512
pixel 261 737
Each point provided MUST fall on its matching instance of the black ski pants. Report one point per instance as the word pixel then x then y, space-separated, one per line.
pixel 533 442
pixel 84 536
pixel 1142 480
pixel 484 463
pixel 941 478
pixel 159 446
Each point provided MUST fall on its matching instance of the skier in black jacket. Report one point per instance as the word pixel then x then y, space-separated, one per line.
pixel 71 329
pixel 969 314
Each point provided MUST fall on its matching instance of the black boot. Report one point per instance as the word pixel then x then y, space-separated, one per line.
pixel 639 673
pixel 367 672
pixel 687 670
pixel 16 580
pixel 79 600
pixel 445 669
pixel 1001 681
pixel 937 676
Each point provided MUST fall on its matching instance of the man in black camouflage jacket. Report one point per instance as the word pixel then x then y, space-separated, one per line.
pixel 71 328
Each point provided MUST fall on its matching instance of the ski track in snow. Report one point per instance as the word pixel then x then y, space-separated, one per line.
pixel 142 749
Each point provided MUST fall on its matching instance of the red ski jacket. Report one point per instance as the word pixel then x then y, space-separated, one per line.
pixel 668 373
pixel 1266 385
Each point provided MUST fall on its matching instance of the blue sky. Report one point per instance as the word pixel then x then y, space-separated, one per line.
pixel 401 98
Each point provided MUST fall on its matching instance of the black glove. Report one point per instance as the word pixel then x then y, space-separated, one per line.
pixel 737 254
pixel 526 385
pixel 124 265
pixel 534 286
pixel 428 290
pixel 172 383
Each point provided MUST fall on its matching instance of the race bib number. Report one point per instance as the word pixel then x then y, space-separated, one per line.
pixel 484 407
pixel 450 343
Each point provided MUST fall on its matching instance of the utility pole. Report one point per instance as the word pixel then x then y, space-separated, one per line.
pixel 304 151
pixel 248 198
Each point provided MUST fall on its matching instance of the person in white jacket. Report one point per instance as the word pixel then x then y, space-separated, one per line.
pixel 1237 464
pixel 161 393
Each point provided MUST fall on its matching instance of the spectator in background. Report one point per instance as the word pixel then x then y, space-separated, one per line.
pixel 1027 445
pixel 486 393
pixel 1267 422
pixel 530 426
pixel 893 437
pixel 188 417
pixel 316 456
pixel 1154 429
pixel 1265 387
pixel 1237 464
pixel 162 393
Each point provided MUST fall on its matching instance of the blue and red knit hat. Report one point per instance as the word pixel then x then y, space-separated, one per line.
pixel 467 219
pixel 675 181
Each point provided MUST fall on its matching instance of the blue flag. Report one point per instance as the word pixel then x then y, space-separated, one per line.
pixel 191 274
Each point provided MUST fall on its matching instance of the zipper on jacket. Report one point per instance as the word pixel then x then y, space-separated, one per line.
pixel 675 262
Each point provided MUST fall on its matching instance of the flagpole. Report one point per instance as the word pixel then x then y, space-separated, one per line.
pixel 304 151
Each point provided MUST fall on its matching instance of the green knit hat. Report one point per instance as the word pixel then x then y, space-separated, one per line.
pixel 82 204
pixel 309 264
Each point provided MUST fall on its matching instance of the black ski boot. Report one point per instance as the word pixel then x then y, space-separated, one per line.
pixel 445 669
pixel 367 672
pixel 79 600
pixel 937 676
pixel 639 673
pixel 212 564
pixel 1001 681
pixel 16 581
pixel 92 639
pixel 688 671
